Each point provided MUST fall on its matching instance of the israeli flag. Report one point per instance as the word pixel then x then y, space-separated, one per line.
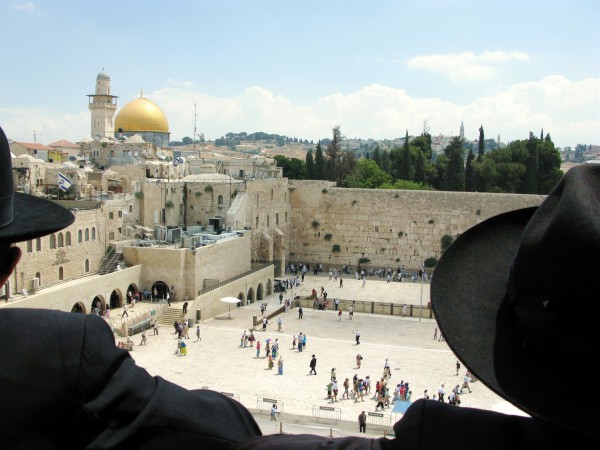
pixel 63 182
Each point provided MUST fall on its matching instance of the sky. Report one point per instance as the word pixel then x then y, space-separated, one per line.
pixel 376 69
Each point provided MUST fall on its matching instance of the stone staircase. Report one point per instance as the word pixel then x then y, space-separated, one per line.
pixel 109 262
pixel 170 315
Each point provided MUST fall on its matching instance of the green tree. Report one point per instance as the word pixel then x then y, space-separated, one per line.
pixel 319 163
pixel 377 156
pixel 293 168
pixel 406 185
pixel 334 154
pixel 419 167
pixel 405 169
pixel 454 178
pixel 367 174
pixel 310 166
pixel 469 172
pixel 531 181
pixel 481 141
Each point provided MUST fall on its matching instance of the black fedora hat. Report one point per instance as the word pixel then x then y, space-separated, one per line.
pixel 517 301
pixel 22 216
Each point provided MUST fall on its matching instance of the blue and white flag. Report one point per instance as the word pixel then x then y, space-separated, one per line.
pixel 63 182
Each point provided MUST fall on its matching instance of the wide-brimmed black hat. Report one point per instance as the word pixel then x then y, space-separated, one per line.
pixel 516 298
pixel 23 216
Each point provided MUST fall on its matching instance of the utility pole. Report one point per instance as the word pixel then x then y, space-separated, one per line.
pixel 35 133
pixel 195 119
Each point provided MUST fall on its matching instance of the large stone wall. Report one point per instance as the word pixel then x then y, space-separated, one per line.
pixel 390 227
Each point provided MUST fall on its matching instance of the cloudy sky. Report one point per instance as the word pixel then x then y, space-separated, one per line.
pixel 299 68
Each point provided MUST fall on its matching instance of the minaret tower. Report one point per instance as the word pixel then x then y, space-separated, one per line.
pixel 462 131
pixel 103 107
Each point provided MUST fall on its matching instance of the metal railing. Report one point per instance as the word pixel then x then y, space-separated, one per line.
pixel 326 412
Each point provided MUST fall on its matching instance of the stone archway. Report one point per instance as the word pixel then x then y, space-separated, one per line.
pixel 242 298
pixel 161 290
pixel 269 287
pixel 250 295
pixel 259 292
pixel 132 291
pixel 116 299
pixel 99 304
pixel 79 308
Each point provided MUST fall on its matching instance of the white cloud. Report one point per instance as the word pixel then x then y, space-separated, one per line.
pixel 566 109
pixel 28 6
pixel 465 66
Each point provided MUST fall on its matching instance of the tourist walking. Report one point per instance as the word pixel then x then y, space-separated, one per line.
pixel 279 323
pixel 168 296
pixel 280 366
pixel 274 412
pixel 144 340
pixel 357 336
pixel 185 308
pixel 264 323
pixel 125 313
pixel 313 365
pixel 198 338
pixel 350 312
pixel 258 349
pixel 155 327
pixel 358 360
pixel 300 312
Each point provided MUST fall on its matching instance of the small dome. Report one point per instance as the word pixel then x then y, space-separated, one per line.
pixel 141 115
pixel 103 76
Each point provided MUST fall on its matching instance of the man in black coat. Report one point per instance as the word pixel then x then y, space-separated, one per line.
pixel 313 365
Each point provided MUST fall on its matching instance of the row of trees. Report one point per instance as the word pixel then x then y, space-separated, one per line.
pixel 529 166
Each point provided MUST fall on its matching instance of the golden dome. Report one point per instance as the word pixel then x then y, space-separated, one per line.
pixel 141 115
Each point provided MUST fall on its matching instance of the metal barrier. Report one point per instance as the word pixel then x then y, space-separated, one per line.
pixel 326 412
pixel 263 405
pixel 236 397
pixel 379 419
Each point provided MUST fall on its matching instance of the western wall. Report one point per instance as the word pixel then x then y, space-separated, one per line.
pixel 390 227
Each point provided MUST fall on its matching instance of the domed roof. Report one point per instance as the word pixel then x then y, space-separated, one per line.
pixel 103 76
pixel 141 115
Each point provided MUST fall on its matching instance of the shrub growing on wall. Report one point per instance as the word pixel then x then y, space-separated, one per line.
pixel 364 260
pixel 328 236
pixel 446 241
pixel 336 248
pixel 315 224
pixel 430 262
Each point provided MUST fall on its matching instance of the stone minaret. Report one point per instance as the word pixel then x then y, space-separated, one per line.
pixel 103 107
pixel 462 131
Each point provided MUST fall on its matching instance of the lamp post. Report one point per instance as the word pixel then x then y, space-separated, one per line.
pixel 422 276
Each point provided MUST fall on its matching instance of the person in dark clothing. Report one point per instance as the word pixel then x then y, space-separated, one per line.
pixel 313 365
pixel 362 422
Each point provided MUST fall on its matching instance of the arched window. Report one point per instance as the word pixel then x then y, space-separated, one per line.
pixel 93 233
pixel 68 238
pixel 61 273
pixel 80 236
pixel 86 266
pixel 52 242
pixel 38 245
pixel 39 278
pixel 87 234
pixel 29 246
pixel 220 200
pixel 61 242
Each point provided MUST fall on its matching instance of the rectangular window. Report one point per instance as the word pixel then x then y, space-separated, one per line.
pixel 120 213
pixel 111 215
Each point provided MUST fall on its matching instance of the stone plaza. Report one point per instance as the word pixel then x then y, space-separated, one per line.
pixel 218 362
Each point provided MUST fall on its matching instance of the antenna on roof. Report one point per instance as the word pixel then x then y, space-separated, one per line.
pixel 35 133
pixel 195 118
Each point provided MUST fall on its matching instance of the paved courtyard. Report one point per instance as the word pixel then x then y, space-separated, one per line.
pixel 218 362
